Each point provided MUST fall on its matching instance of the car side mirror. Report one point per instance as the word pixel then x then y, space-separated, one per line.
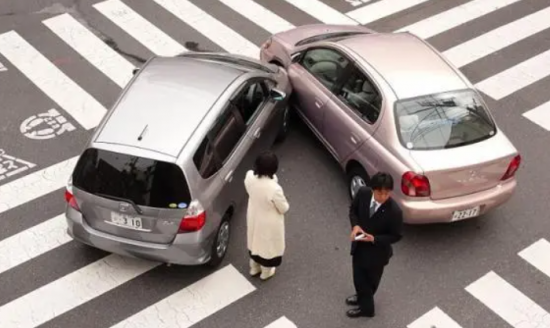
pixel 277 95
pixel 135 71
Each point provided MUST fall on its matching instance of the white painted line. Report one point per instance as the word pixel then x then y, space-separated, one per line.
pixel 454 17
pixel 35 185
pixel 87 111
pixel 517 77
pixel 434 318
pixel 139 28
pixel 2 68
pixel 71 291
pixel 210 27
pixel 92 48
pixel 322 12
pixel 499 38
pixel 538 254
pixel 510 304
pixel 540 115
pixel 193 303
pixel 259 15
pixel 381 9
pixel 33 242
pixel 282 322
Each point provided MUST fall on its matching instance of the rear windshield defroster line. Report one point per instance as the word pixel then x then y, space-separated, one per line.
pixel 141 181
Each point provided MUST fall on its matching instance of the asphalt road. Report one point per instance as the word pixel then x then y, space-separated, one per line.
pixel 432 265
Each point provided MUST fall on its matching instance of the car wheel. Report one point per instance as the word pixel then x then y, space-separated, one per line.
pixel 283 130
pixel 221 243
pixel 357 178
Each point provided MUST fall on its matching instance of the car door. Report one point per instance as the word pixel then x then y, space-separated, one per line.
pixel 313 76
pixel 351 115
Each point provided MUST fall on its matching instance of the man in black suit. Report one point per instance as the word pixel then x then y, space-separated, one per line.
pixel 378 217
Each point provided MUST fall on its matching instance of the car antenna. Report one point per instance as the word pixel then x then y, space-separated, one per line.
pixel 143 133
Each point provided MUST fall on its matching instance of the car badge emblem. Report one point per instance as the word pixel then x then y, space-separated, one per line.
pixel 123 207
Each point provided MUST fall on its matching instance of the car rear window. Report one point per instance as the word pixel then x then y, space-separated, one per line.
pixel 444 120
pixel 144 181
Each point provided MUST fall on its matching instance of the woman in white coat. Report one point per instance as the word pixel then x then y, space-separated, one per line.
pixel 265 216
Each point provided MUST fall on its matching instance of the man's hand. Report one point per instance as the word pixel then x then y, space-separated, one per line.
pixel 369 238
pixel 356 231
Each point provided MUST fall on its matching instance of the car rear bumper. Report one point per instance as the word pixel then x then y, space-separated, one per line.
pixel 441 211
pixel 181 251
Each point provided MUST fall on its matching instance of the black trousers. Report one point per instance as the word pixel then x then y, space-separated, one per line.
pixel 366 278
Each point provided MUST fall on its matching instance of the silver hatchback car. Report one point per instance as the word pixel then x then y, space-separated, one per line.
pixel 163 173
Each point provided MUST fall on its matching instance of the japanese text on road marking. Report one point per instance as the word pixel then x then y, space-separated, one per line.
pixel 45 126
pixel 10 166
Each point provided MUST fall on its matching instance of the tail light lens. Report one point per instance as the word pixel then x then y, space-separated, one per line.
pixel 512 168
pixel 415 185
pixel 195 218
pixel 69 197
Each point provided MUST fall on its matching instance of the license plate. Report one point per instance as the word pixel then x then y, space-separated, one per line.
pixel 465 214
pixel 126 221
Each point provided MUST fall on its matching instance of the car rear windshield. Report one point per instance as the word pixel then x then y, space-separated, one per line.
pixel 144 181
pixel 444 120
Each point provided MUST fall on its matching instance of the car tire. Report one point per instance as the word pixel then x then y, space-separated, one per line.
pixel 357 177
pixel 285 125
pixel 218 252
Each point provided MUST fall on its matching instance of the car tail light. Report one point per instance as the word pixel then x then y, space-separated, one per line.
pixel 195 218
pixel 69 197
pixel 415 185
pixel 512 168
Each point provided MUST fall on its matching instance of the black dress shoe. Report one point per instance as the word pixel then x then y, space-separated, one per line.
pixel 356 313
pixel 352 300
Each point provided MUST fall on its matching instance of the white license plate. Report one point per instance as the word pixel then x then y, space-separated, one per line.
pixel 126 221
pixel 465 214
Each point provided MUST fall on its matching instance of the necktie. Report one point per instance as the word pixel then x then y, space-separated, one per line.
pixel 372 209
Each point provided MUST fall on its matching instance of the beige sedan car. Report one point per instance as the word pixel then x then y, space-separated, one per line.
pixel 391 102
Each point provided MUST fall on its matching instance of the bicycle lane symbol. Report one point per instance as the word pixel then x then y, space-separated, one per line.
pixel 45 125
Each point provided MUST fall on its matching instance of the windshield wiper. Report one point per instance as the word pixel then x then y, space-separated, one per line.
pixel 134 205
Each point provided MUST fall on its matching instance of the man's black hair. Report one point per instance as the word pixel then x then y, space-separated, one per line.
pixel 381 181
pixel 266 165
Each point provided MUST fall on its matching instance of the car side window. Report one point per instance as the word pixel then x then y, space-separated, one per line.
pixel 360 94
pixel 326 65
pixel 250 99
pixel 220 141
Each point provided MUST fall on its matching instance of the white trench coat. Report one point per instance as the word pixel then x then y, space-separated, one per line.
pixel 267 205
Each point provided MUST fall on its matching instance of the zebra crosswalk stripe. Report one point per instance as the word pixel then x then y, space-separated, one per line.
pixel 435 318
pixel 282 322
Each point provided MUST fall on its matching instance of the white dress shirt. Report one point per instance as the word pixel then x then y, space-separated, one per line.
pixel 377 205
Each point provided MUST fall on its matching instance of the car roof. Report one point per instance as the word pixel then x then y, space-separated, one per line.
pixel 410 66
pixel 166 102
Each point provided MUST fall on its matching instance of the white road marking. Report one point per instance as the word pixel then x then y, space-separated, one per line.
pixel 454 17
pixel 86 110
pixel 46 125
pixel 10 166
pixel 139 28
pixel 499 38
pixel 518 310
pixel 92 48
pixel 517 77
pixel 35 185
pixel 322 12
pixel 193 303
pixel 33 242
pixel 434 318
pixel 282 322
pixel 210 27
pixel 2 68
pixel 538 254
pixel 71 291
pixel 356 3
pixel 259 15
pixel 540 115
pixel 381 9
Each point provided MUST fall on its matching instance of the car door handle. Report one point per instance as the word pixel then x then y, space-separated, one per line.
pixel 258 133
pixel 353 140
pixel 229 176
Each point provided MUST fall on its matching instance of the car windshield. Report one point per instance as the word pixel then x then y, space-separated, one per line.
pixel 444 120
pixel 143 181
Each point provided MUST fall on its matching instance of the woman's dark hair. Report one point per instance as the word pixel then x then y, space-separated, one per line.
pixel 381 181
pixel 266 165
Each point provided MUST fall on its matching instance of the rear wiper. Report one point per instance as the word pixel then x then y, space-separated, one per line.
pixel 134 205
